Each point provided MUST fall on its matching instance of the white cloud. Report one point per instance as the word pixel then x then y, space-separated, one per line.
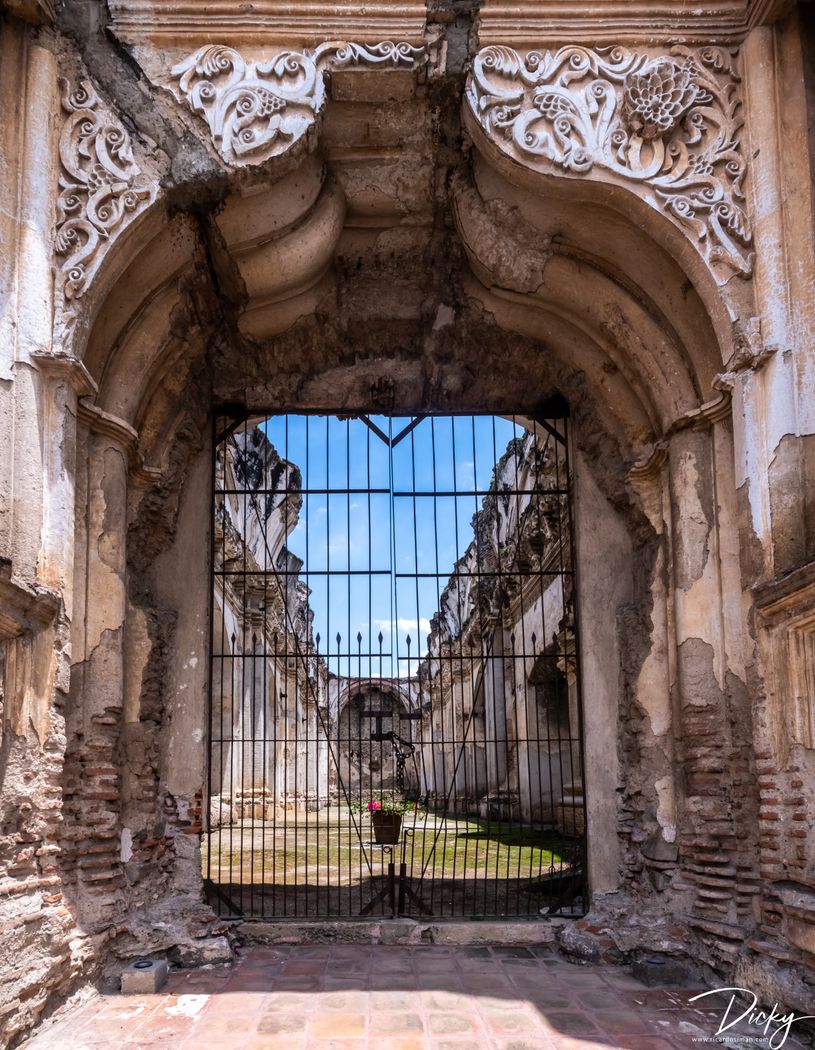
pixel 404 625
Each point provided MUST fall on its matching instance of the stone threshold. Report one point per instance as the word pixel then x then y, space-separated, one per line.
pixel 498 933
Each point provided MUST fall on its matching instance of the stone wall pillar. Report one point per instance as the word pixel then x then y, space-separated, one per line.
pixel 717 813
pixel 92 788
pixel 775 395
pixel 604 586
pixel 38 391
pixel 774 413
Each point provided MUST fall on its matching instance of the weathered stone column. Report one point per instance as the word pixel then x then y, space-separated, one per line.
pixel 774 398
pixel 774 413
pixel 95 716
pixel 604 588
pixel 42 946
pixel 653 687
pixel 717 813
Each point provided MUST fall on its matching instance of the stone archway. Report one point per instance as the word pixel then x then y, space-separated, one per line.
pixel 634 354
pixel 499 210
pixel 362 762
pixel 283 296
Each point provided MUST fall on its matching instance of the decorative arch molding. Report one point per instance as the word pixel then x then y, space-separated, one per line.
pixel 567 265
pixel 256 110
pixel 101 191
pixel 665 126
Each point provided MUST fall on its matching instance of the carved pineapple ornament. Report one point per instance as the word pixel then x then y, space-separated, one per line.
pixel 657 97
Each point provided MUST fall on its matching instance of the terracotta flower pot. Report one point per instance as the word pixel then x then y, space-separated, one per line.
pixel 386 827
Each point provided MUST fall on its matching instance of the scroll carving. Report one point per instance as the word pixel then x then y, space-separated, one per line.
pixel 100 188
pixel 670 125
pixel 259 110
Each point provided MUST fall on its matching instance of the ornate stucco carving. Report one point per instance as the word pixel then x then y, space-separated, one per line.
pixel 668 126
pixel 101 189
pixel 258 110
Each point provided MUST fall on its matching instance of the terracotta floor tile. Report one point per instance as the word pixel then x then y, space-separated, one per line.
pixel 601 1000
pixel 569 1022
pixel 84 1042
pixel 492 985
pixel 358 997
pixel 357 983
pixel 583 1042
pixel 253 984
pixel 536 1042
pixel 646 1042
pixel 274 1042
pixel 299 983
pixel 223 1026
pixel 337 1026
pixel 279 1023
pixel 347 969
pixel 352 1000
pixel 441 982
pixel 442 999
pixel 384 1023
pixel 508 1022
pixel 392 1000
pixel 398 1042
pixel 544 999
pixel 619 1022
pixel 351 951
pixel 335 1044
pixel 309 967
pixel 234 1004
pixel 451 1023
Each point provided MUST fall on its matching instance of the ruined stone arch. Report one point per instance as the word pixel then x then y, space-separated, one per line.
pixel 609 317
pixel 397 690
pixel 414 249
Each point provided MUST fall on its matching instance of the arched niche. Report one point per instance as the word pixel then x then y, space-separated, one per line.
pixel 608 314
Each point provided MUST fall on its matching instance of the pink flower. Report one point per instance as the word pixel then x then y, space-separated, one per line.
pixel 373 806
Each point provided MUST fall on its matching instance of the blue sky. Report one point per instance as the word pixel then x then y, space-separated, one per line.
pixel 367 539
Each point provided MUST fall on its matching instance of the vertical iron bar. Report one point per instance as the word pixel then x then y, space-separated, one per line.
pixel 573 564
pixel 523 447
pixel 495 700
pixel 348 579
pixel 276 750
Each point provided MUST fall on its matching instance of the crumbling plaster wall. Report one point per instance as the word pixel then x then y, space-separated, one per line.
pixel 604 593
pixel 398 265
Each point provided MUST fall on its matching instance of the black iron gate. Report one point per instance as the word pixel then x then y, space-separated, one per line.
pixel 395 702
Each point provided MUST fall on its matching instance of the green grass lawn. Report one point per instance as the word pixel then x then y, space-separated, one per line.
pixel 329 850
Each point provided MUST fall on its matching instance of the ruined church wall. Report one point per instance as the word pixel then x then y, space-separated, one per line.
pixel 724 529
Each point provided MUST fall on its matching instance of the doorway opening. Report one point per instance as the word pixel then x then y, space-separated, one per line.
pixel 395 723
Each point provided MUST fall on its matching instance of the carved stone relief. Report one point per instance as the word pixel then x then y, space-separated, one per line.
pixel 259 110
pixel 101 189
pixel 670 125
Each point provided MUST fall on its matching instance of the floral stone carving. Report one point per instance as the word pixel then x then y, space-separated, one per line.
pixel 258 110
pixel 669 125
pixel 100 189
